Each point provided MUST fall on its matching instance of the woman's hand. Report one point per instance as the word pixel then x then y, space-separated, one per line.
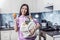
pixel 16 28
pixel 37 26
pixel 31 32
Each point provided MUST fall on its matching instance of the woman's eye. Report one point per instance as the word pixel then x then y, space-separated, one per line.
pixel 22 8
pixel 25 8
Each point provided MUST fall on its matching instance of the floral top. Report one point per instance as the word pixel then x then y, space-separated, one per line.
pixel 19 21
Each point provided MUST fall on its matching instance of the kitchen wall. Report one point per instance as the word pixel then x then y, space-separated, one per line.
pixel 41 4
pixel 7 18
pixel 53 17
pixel 10 6
pixel 13 6
pixel 56 4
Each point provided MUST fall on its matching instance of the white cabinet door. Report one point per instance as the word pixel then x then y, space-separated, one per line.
pixel 48 37
pixel 5 35
pixel 56 38
pixel 14 35
pixel 9 35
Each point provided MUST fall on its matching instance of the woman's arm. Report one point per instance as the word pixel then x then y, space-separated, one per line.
pixel 16 26
pixel 15 22
pixel 34 29
pixel 37 26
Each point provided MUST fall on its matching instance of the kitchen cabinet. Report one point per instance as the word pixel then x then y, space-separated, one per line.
pixel 56 37
pixel 14 35
pixel 9 35
pixel 5 35
pixel 50 35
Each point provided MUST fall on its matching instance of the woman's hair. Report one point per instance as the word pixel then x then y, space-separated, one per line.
pixel 27 13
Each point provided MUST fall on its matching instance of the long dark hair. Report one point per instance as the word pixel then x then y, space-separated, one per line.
pixel 27 13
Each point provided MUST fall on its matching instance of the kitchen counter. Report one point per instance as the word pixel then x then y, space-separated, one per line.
pixel 49 34
pixel 53 33
pixel 4 29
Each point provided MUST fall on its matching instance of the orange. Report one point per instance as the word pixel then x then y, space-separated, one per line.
pixel 14 15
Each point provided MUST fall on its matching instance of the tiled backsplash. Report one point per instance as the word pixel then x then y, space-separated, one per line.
pixel 7 18
pixel 53 16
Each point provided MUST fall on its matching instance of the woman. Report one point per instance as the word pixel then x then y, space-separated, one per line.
pixel 24 12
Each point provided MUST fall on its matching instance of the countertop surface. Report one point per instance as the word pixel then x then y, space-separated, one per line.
pixel 5 29
pixel 52 33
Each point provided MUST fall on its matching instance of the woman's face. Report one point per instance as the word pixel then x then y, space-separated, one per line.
pixel 23 10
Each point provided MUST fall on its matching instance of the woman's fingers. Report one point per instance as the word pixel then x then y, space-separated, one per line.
pixel 31 31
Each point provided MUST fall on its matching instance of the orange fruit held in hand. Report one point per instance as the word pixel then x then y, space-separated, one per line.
pixel 14 15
